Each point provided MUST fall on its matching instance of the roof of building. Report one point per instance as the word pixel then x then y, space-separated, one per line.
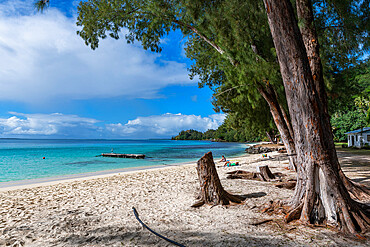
pixel 366 129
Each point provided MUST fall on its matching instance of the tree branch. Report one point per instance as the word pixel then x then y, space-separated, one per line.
pixel 210 42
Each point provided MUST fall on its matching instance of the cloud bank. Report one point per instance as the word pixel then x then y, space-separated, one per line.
pixel 42 58
pixel 165 125
pixel 58 125
pixel 55 125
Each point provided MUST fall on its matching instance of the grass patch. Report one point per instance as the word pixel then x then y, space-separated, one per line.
pixel 338 147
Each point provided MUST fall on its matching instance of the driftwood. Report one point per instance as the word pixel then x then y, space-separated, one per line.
pixel 211 190
pixel 261 222
pixel 131 156
pixel 239 174
pixel 263 174
pixel 287 185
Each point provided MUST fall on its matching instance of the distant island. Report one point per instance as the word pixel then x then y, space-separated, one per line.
pixel 222 134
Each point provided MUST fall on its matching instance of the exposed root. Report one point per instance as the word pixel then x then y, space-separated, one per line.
pixel 287 185
pixel 198 204
pixel 294 214
pixel 357 191
pixel 261 222
pixel 225 200
pixel 275 207
pixel 234 198
pixel 239 174
pixel 361 215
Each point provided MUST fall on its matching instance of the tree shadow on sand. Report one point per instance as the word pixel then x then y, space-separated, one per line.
pixel 253 195
pixel 141 237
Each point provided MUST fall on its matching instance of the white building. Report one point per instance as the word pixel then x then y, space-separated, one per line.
pixel 359 138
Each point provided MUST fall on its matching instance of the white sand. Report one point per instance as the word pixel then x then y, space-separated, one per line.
pixel 98 212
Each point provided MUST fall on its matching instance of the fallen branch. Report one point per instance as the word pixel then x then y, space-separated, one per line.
pixel 287 185
pixel 260 222
pixel 159 235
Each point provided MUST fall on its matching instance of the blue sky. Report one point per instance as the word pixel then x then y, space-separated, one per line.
pixel 53 86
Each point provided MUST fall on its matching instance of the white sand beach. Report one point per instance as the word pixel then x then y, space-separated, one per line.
pixel 97 211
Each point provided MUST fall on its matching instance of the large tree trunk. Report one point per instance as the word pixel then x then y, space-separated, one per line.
pixel 211 190
pixel 320 194
pixel 310 40
pixel 281 122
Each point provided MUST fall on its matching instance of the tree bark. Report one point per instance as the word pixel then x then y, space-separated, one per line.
pixel 310 40
pixel 270 138
pixel 281 123
pixel 211 190
pixel 279 115
pixel 320 194
pixel 265 173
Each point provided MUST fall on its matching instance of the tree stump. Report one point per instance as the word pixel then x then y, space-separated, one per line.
pixel 211 190
pixel 264 173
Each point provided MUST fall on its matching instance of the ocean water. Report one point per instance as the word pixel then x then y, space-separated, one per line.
pixel 22 159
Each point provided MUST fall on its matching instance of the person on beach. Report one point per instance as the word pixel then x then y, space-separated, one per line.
pixel 223 159
pixel 228 163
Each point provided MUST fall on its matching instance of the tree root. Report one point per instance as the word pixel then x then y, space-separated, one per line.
pixel 357 191
pixel 225 200
pixel 275 207
pixel 293 214
pixel 234 198
pixel 198 204
pixel 287 185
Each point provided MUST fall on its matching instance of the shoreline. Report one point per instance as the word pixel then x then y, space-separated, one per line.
pixel 45 181
pixel 93 211
pixel 38 182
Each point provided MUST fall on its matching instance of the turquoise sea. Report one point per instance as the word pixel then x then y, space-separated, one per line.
pixel 22 159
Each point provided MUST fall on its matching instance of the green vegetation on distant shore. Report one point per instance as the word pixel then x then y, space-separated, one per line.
pixel 223 133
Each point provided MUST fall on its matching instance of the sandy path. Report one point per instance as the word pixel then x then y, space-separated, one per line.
pixel 356 166
pixel 98 212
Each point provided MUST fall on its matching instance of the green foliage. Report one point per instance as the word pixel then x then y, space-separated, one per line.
pixel 362 79
pixel 347 121
pixel 233 53
pixel 41 5
pixel 189 135
pixel 225 132
pixel 351 107
pixel 241 29
pixel 343 28
pixel 243 60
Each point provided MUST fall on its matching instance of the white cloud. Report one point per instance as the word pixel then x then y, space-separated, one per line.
pixel 58 125
pixel 42 58
pixel 54 125
pixel 165 125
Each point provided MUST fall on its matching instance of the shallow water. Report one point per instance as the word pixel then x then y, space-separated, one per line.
pixel 22 159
